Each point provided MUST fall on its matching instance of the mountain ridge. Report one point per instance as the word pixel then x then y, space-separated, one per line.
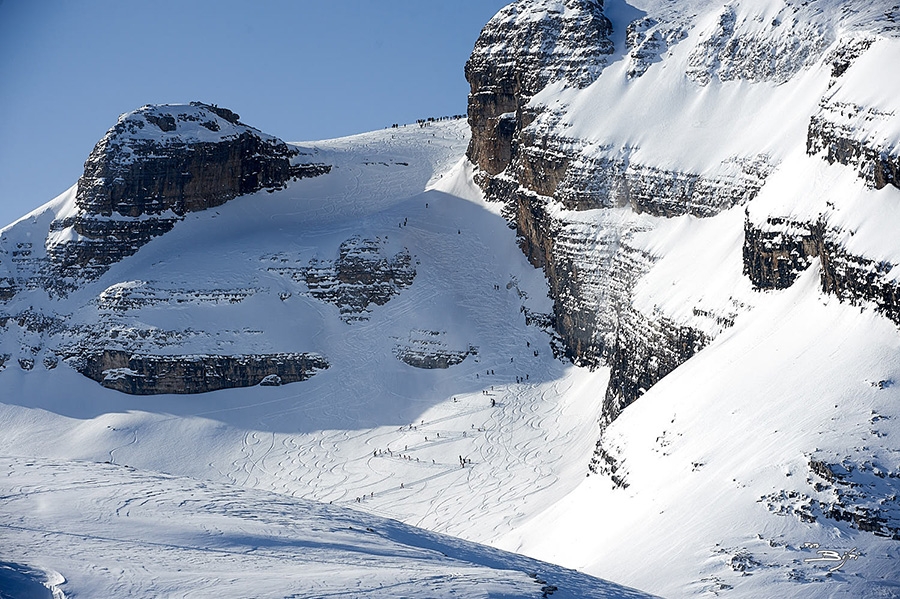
pixel 675 221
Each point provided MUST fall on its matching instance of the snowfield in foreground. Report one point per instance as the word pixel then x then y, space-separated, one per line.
pixel 82 529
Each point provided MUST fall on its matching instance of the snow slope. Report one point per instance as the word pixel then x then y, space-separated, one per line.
pixel 83 529
pixel 370 422
pixel 369 432
pixel 717 463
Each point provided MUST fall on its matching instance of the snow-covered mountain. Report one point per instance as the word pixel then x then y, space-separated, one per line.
pixel 178 358
pixel 661 251
pixel 712 196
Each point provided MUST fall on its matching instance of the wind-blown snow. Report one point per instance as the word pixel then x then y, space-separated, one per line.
pixel 119 532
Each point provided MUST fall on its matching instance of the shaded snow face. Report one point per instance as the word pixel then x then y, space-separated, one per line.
pixel 25 582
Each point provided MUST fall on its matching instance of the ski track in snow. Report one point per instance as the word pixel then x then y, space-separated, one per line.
pixel 152 535
pixel 339 466
pixel 510 446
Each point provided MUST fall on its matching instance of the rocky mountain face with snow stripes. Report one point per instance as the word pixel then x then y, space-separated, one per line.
pixel 577 196
pixel 578 186
pixel 778 248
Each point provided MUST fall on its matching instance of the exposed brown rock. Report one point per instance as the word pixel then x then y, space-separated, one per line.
pixel 155 165
pixel 362 274
pixel 517 55
pixel 144 374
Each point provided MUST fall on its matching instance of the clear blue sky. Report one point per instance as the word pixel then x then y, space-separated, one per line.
pixel 301 70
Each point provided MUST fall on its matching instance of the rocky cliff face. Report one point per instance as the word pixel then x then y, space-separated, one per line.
pixel 525 47
pixel 143 374
pixel 548 182
pixel 585 161
pixel 362 274
pixel 155 165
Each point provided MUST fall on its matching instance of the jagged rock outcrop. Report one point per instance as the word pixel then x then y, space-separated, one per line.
pixel 155 165
pixel 430 349
pixel 362 274
pixel 646 40
pixel 133 295
pixel 527 45
pixel 7 288
pixel 856 279
pixel 145 374
pixel 862 493
pixel 777 252
pixel 846 133
pixel 847 51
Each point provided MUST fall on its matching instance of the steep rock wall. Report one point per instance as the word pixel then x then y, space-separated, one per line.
pixel 838 132
pixel 155 165
pixel 575 201
pixel 144 374
pixel 526 46
pixel 775 253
